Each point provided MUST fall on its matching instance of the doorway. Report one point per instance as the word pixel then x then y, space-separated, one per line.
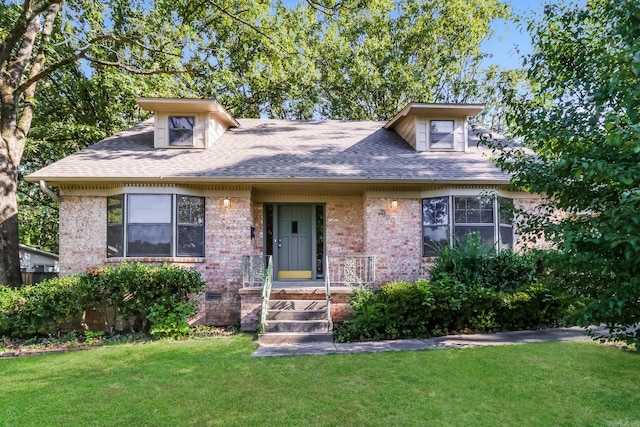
pixel 294 235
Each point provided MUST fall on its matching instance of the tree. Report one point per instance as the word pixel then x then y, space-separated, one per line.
pixel 580 129
pixel 315 58
pixel 396 52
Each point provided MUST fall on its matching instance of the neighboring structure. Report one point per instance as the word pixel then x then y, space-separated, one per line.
pixel 37 265
pixel 196 187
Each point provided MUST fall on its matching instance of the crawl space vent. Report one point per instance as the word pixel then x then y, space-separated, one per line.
pixel 213 296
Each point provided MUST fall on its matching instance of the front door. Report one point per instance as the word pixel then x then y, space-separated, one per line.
pixel 294 242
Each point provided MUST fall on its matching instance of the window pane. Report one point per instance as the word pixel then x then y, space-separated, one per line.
pixel 506 237
pixel 434 239
pixel 441 133
pixel 149 209
pixel 435 211
pixel 506 210
pixel 115 239
pixel 473 210
pixel 181 130
pixel 190 240
pixel 115 236
pixel 486 232
pixel 149 240
pixel 319 240
pixel 268 219
pixel 190 210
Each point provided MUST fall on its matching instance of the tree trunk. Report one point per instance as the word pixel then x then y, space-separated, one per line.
pixel 9 250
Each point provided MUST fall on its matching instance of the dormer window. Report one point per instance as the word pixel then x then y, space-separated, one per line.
pixel 181 130
pixel 441 134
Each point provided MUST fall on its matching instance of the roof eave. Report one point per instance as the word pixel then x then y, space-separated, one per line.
pixel 188 105
pixel 417 108
pixel 61 181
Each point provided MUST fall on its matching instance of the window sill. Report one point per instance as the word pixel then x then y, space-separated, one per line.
pixel 168 259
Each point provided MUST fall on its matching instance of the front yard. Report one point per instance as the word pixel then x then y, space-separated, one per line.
pixel 216 382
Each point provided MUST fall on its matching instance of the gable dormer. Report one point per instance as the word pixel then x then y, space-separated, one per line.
pixel 435 127
pixel 187 123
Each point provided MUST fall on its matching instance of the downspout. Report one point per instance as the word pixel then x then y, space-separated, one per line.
pixel 47 191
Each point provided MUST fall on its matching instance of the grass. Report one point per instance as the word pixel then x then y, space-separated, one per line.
pixel 216 382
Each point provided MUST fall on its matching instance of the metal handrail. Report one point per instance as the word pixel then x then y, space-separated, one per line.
pixel 352 270
pixel 327 284
pixel 266 292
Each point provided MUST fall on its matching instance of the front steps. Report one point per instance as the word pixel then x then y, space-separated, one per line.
pixel 293 321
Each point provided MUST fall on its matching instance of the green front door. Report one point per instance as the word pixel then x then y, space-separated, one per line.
pixel 294 242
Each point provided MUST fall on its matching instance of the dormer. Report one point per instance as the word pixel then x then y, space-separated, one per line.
pixel 435 127
pixel 187 123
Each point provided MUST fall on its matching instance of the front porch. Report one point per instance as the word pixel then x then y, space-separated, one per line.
pixel 343 274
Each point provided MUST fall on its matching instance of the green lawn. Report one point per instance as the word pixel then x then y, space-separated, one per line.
pixel 216 382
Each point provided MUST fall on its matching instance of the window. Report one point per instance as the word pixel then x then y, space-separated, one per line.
pixel 450 218
pixel 181 130
pixel 441 134
pixel 155 225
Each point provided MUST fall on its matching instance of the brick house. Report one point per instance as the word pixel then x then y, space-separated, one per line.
pixel 325 199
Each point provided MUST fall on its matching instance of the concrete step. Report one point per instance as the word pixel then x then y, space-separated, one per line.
pixel 274 338
pixel 297 315
pixel 279 304
pixel 306 326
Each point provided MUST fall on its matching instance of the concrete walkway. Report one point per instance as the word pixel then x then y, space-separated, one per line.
pixel 450 341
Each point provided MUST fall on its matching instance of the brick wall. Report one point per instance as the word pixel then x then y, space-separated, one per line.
pixel 83 233
pixel 227 240
pixel 393 235
pixel 345 232
pixel 530 205
pixel 369 227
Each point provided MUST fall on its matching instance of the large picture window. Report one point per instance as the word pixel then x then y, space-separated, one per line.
pixel 447 219
pixel 141 225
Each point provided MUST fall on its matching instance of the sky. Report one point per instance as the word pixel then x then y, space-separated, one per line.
pixel 509 34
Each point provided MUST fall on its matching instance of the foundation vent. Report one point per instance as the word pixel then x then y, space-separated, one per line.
pixel 212 296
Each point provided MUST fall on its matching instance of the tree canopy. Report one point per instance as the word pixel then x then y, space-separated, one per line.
pixel 580 127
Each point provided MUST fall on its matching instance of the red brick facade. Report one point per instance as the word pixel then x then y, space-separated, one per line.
pixel 367 226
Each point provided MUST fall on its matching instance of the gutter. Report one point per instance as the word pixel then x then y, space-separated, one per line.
pixel 48 192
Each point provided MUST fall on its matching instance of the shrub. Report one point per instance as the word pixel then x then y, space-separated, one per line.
pixel 155 299
pixel 406 308
pixel 148 298
pixel 368 320
pixel 476 265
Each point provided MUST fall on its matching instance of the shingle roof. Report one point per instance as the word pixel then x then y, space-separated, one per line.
pixel 273 150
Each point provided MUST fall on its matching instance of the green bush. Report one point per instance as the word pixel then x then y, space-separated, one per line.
pixel 476 265
pixel 458 307
pixel 154 299
pixel 472 289
pixel 145 296
pixel 40 308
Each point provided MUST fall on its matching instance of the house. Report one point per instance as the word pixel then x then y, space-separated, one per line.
pixel 329 201
pixel 37 265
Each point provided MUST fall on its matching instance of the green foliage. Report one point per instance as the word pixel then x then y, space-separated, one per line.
pixel 40 308
pixel 142 293
pixel 579 125
pixel 471 289
pixel 475 265
pixel 170 323
pixel 155 299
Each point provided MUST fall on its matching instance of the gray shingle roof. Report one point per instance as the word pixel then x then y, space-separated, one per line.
pixel 274 150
